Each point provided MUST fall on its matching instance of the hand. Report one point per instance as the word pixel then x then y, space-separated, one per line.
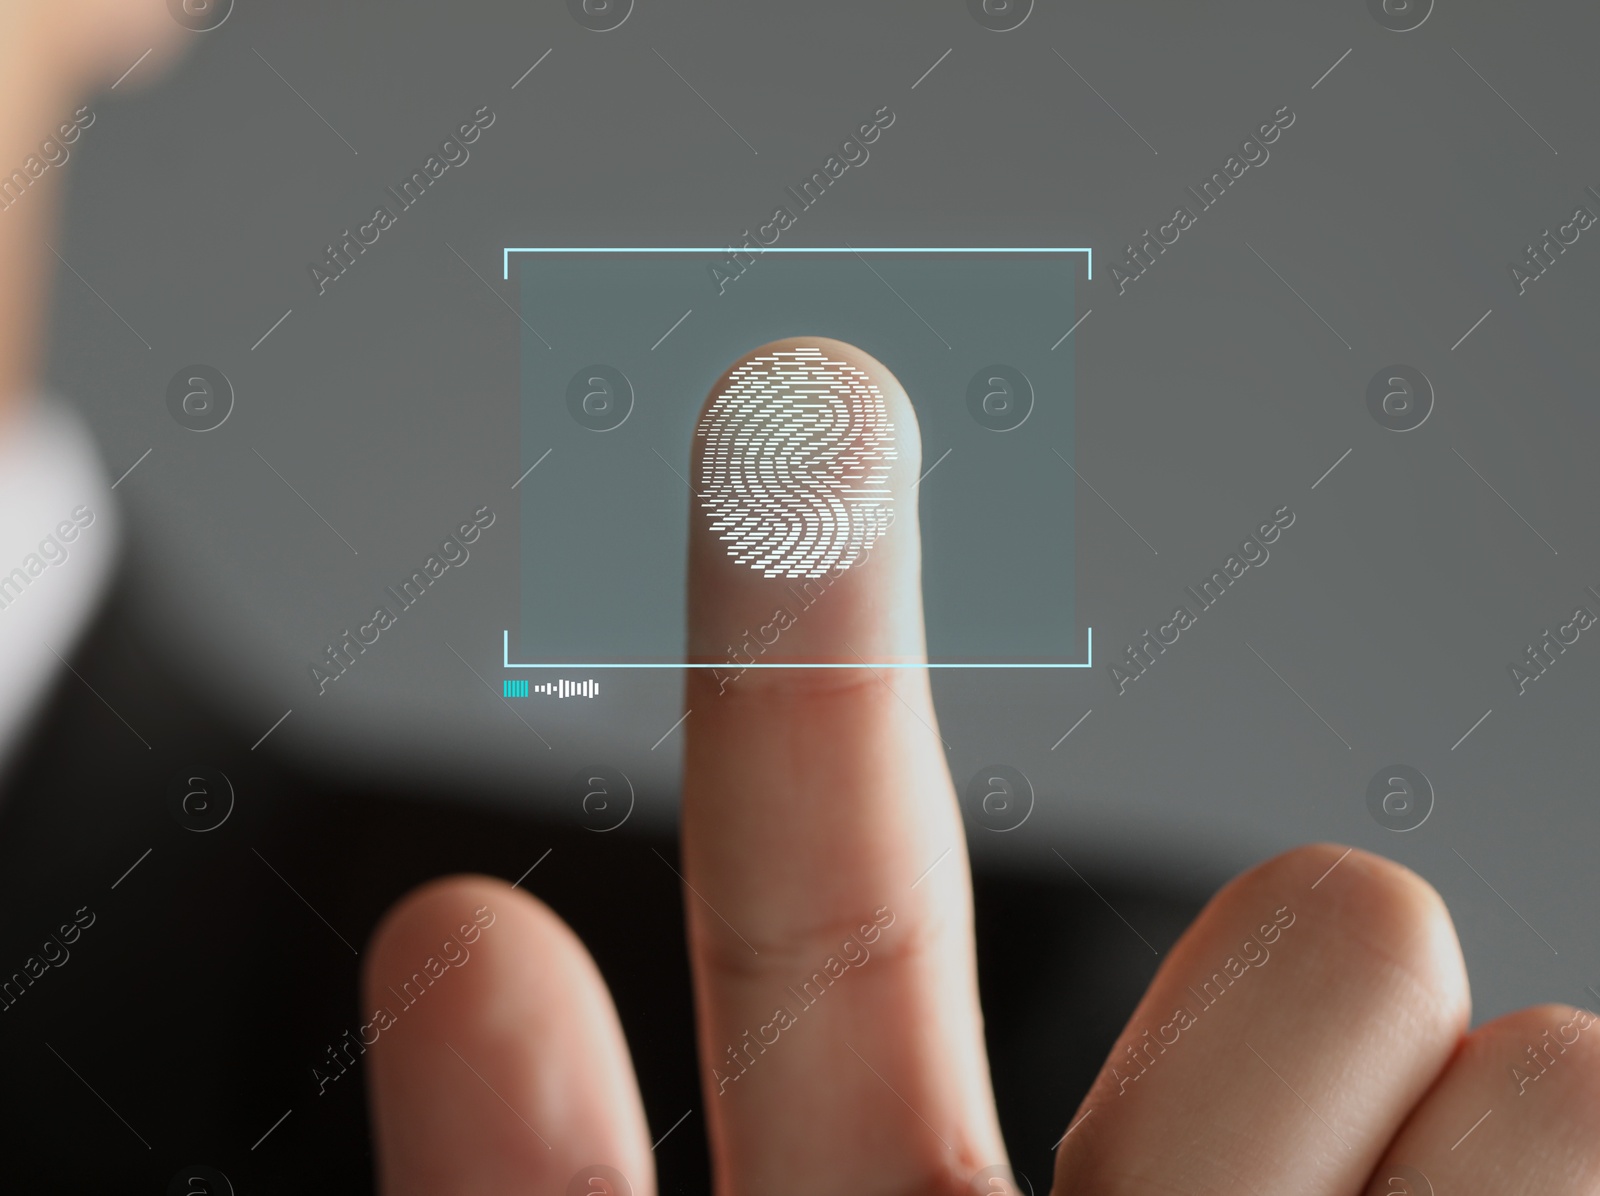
pixel 1305 1035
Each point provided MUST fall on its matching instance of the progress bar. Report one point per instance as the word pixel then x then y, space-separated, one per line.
pixel 726 664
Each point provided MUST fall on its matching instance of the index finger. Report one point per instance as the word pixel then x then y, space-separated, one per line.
pixel 830 909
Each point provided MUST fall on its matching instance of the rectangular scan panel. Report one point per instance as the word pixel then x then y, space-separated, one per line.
pixel 619 351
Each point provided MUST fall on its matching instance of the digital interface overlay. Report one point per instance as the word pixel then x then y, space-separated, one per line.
pixel 620 348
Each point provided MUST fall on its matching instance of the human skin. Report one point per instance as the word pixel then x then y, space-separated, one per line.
pixel 813 801
pixel 1330 1050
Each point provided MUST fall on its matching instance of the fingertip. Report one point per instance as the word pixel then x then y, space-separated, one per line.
pixel 1398 918
pixel 804 543
pixel 897 403
pixel 497 1061
pixel 445 907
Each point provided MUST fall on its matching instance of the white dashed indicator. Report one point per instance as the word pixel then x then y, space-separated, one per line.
pixel 794 475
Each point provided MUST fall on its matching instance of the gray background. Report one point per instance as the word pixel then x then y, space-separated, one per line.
pixel 1208 395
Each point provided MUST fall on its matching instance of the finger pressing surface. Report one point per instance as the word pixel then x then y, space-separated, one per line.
pixel 829 907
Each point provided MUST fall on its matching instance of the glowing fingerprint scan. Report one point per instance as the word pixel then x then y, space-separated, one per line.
pixel 794 468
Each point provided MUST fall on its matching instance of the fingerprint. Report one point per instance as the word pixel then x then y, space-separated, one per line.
pixel 794 474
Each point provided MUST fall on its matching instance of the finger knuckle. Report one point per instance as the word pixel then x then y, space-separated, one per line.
pixel 1544 1048
pixel 1382 918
